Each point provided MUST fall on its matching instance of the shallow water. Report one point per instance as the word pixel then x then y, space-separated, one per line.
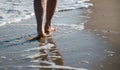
pixel 16 52
pixel 44 56
pixel 74 48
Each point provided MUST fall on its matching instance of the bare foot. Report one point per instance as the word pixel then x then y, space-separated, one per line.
pixel 50 30
pixel 43 34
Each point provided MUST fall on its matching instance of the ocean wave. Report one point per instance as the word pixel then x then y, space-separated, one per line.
pixel 13 11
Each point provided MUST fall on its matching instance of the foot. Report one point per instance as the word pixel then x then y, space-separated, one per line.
pixel 50 30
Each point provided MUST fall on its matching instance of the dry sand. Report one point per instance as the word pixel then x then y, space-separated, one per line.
pixel 105 19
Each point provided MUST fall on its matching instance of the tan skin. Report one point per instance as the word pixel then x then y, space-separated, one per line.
pixel 41 7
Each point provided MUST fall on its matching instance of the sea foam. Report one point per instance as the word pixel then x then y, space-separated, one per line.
pixel 52 67
pixel 13 11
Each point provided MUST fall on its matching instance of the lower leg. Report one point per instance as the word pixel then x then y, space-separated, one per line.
pixel 51 5
pixel 39 8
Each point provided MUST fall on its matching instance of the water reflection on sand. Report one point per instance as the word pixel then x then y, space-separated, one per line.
pixel 51 56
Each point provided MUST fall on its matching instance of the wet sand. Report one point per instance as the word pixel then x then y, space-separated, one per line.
pixel 105 22
pixel 70 48
pixel 105 19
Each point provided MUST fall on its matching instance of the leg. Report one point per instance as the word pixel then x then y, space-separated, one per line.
pixel 51 5
pixel 39 8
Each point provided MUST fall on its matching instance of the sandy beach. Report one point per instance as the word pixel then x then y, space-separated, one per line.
pixel 105 21
pixel 71 47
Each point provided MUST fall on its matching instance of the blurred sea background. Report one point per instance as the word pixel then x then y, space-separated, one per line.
pixel 12 11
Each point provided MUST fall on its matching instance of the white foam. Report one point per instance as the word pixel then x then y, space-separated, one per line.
pixel 110 52
pixel 73 26
pixel 53 67
pixel 2 23
pixel 14 20
pixel 45 62
pixel 73 4
pixel 13 11
pixel 29 16
pixel 85 61
pixel 55 56
pixel 47 46
pixel 3 57
pixel 34 56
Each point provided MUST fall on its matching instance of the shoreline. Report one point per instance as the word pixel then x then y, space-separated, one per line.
pixel 78 48
pixel 105 20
